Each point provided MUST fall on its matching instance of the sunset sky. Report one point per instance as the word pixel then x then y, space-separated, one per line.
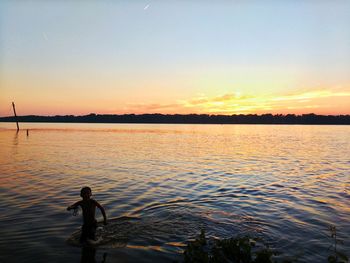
pixel 215 57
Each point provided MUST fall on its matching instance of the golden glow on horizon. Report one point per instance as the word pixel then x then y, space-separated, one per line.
pixel 316 101
pixel 319 101
pixel 212 91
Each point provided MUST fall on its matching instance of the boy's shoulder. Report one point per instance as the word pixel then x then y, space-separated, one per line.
pixel 93 201
pixel 89 201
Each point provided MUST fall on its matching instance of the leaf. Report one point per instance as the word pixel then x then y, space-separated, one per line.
pixel 339 241
pixel 342 256
pixel 332 259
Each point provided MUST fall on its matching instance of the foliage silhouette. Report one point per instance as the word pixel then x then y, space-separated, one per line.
pixel 189 118
pixel 245 250
pixel 336 256
pixel 238 249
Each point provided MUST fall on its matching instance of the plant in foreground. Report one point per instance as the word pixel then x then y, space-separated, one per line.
pixel 336 256
pixel 245 250
pixel 239 249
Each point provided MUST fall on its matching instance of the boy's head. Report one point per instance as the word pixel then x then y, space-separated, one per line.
pixel 85 192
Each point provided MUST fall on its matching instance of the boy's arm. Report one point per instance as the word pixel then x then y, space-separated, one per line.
pixel 102 211
pixel 75 205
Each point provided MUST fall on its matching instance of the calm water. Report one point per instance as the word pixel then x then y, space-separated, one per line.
pixel 286 184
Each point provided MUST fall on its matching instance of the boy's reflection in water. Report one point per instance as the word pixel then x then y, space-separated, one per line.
pixel 88 255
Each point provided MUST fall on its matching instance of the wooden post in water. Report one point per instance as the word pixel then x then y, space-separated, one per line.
pixel 14 111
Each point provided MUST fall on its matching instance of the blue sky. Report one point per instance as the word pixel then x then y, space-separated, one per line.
pixel 156 52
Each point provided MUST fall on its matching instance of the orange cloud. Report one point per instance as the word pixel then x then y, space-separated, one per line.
pixel 312 95
pixel 150 108
pixel 298 102
pixel 317 101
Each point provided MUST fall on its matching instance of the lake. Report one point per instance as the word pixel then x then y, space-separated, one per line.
pixel 284 183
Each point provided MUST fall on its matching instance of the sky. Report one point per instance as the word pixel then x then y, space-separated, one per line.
pixel 212 57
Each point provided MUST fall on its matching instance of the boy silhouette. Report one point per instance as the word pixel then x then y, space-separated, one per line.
pixel 88 206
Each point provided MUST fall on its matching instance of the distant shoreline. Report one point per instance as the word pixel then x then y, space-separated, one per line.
pixel 307 119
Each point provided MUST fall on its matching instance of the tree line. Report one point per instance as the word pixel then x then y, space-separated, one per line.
pixel 189 118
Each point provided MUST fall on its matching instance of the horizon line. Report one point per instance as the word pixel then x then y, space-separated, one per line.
pixel 173 114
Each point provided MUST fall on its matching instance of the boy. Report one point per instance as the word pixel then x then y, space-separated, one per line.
pixel 88 206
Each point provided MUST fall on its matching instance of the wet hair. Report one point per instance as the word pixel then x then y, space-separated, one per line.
pixel 85 190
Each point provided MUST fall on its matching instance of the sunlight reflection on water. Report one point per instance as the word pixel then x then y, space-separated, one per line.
pixel 283 183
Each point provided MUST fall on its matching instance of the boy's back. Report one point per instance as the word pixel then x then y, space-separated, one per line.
pixel 88 206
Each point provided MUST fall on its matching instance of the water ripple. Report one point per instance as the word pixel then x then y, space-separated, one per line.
pixel 171 181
